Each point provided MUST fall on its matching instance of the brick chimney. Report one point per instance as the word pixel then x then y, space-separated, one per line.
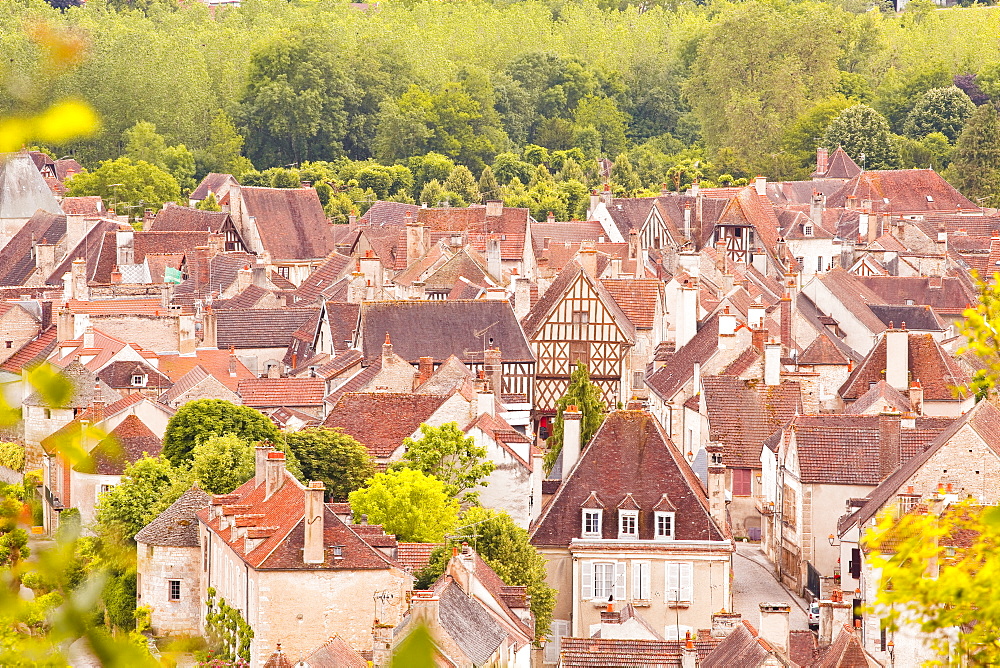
pixel 572 418
pixel 45 259
pixel 774 625
pixel 822 160
pixel 493 264
pixel 816 206
pixel 200 271
pixel 244 278
pixel 716 484
pixel 425 369
pixel 522 296
pixel 387 354
pixel 916 398
pixel 588 258
pixel 890 452
pixel 493 369
pixel 274 473
pixel 312 547
pixel 209 329
pixel 79 288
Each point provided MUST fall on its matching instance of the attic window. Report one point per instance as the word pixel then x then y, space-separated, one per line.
pixel 930 198
pixel 908 302
pixel 807 230
pixel 628 523
pixel 338 551
pixel 283 272
pixel 592 522
pixel 664 524
pixel 138 380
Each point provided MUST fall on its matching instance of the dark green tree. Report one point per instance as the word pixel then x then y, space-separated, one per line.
pixel 505 547
pixel 862 130
pixel 587 398
pixel 121 183
pixel 488 186
pixel 624 178
pixel 197 421
pixel 333 457
pixel 461 182
pixel 943 110
pixel 975 166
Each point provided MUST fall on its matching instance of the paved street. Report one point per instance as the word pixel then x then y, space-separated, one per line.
pixel 754 583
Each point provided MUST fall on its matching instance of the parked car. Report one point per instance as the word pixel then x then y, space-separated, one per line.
pixel 814 615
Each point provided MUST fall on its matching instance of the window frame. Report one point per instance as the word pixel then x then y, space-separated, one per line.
pixel 599 515
pixel 610 570
pixel 173 590
pixel 630 517
pixel 745 487
pixel 660 515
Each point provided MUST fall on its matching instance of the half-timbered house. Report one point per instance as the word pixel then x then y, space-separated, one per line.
pixel 578 320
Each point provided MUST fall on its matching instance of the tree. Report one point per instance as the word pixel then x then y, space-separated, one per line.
pixel 463 183
pixel 975 167
pixel 587 398
pixel 142 142
pixel 942 569
pixel 450 456
pixel 862 130
pixel 122 182
pixel 209 203
pixel 943 110
pixel 197 421
pixel 602 114
pixel 799 138
pixel 507 167
pixel 222 463
pixel 505 547
pixel 623 176
pixel 980 330
pixel 413 506
pixel 488 185
pixel 432 193
pixel 135 502
pixel 426 168
pixel 223 152
pixel 333 457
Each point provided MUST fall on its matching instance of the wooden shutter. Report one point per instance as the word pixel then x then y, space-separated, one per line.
pixel 586 579
pixel 673 588
pixel 619 580
pixel 640 580
pixel 687 581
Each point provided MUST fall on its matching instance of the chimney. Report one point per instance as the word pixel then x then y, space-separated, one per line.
pixel 217 243
pixel 689 654
pixel 863 225
pixel 493 266
pixel 88 336
pixel 816 206
pixel 485 400
pixel 97 404
pixel 78 276
pixel 606 195
pixel 690 262
pixel 890 450
pixel 550 218
pixel 822 160
pixel 357 288
pixel 125 246
pixel 916 398
pixel 414 240
pixel 76 228
pixel 723 623
pixel 64 325
pixel 45 259
pixel 201 271
pixel 785 312
pixel 493 370
pixel 760 185
pixel 260 463
pixel 425 369
pixel 755 316
pixel 687 220
pixel 686 314
pixel 833 615
pixel 244 278
pixel 494 208
pixel 209 331
pixel 716 485
pixel 312 548
pixel 595 199
pixel 772 363
pixel 381 645
pixel 588 258
pixel 232 361
pixel 774 625
pixel 387 351
pixel 522 296
pixel 727 325
pixel 897 358
pixel 757 336
pixel 572 418
pixel 633 244
pixel 274 473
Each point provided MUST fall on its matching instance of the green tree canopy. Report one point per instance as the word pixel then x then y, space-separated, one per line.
pixel 197 421
pixel 220 464
pixel 138 499
pixel 861 130
pixel 586 396
pixel 333 457
pixel 450 456
pixel 122 183
pixel 975 167
pixel 505 547
pixel 223 153
pixel 943 110
pixel 413 506
pixel 488 186
pixel 463 184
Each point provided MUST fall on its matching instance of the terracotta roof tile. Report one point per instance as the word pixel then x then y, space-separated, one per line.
pixel 679 367
pixel 908 191
pixel 637 297
pixel 291 222
pixel 623 653
pixel 743 413
pixel 323 279
pixel 125 445
pixel 259 328
pixel 364 416
pixel 951 297
pixel 215 362
pixel 175 218
pixel 937 372
pixel 33 352
pixel 213 182
pixel 271 392
pixel 17 260
pixel 415 556
pixel 90 205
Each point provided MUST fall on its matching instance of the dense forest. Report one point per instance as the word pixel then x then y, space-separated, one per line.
pixel 414 100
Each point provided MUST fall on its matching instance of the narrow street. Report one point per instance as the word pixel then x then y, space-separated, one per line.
pixel 754 583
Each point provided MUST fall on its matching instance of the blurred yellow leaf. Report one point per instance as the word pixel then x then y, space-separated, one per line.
pixel 65 120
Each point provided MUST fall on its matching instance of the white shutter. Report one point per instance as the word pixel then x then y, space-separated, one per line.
pixel 640 586
pixel 560 629
pixel 586 580
pixel 673 588
pixel 637 579
pixel 687 581
pixel 619 580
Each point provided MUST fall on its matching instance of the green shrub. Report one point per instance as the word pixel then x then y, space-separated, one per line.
pixel 12 456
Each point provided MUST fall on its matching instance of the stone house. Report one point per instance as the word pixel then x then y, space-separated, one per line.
pixel 18 326
pixel 630 522
pixel 168 573
pixel 293 570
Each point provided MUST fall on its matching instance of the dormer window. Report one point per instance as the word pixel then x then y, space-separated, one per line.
pixel 628 524
pixel 807 230
pixel 663 525
pixel 592 522
pixel 138 380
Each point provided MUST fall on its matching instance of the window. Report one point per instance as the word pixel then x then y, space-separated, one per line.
pixel 579 351
pixel 581 319
pixel 138 380
pixel 204 559
pixel 101 489
pixel 788 507
pixel 742 482
pixel 138 586
pixel 801 261
pixel 908 302
pixel 10 344
pixel 600 580
pixel 906 503
pixel 560 629
pixel 807 230
pixel 283 272
pixel 677 632
pixel 48 413
pixel 819 263
pixel 174 587
pixel 338 551
pixel 664 525
pixel 628 523
pixel 638 380
pixel 591 523
pixel 640 580
pixel 680 582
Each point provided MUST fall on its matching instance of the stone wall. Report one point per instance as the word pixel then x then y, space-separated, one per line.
pixel 156 565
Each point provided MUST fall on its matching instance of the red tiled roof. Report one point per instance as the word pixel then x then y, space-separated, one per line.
pixel 630 454
pixel 743 413
pixel 215 362
pixel 323 278
pixel 623 653
pixel 291 222
pixel 126 444
pixel 906 189
pixel 936 370
pixel 89 205
pixel 271 392
pixel 415 556
pixel 366 417
pixel 213 182
pixel 32 352
pixel 259 328
pixel 637 297
pixel 679 367
pixel 175 218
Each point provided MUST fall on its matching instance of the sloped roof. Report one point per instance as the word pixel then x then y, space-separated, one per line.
pixel 823 351
pixel 415 556
pixel 89 205
pixel 854 295
pixel 386 214
pixel 17 261
pixel 625 653
pixel 32 352
pixel 637 297
pixel 442 328
pixel 125 445
pixel 335 653
pixel 323 278
pixel 742 647
pixel 213 182
pixel 473 629
pixel 679 367
pixel 291 222
pixel 951 297
pixel 214 362
pixel 629 454
pixel 363 415
pixel 270 392
pixel 908 191
pixel 259 328
pixel 936 370
pixel 839 166
pixel 880 397
pixel 177 526
pixel 846 651
pixel 119 375
pixel 23 191
pixel 175 218
pixel 743 413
